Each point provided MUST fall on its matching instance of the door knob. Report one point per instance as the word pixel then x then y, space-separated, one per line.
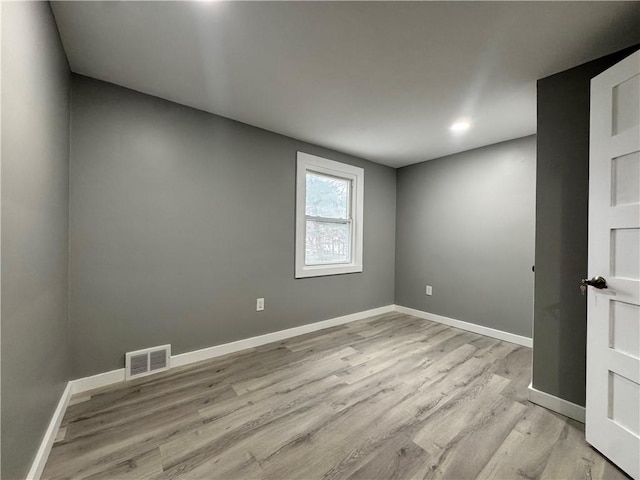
pixel 596 282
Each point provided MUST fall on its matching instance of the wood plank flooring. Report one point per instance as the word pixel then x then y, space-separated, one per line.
pixel 392 396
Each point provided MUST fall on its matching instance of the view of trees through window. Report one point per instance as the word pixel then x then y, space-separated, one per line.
pixel 328 219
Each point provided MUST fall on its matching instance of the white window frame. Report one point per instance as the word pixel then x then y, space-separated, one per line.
pixel 312 163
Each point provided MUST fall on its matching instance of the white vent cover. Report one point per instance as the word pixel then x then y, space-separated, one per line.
pixel 147 361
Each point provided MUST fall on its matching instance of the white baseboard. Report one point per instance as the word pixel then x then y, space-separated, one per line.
pixel 37 467
pixel 96 381
pixel 471 327
pixel 224 349
pixel 116 376
pixel 563 407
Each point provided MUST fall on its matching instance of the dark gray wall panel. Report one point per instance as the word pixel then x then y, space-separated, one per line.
pixel 180 219
pixel 35 168
pixel 465 226
pixel 562 214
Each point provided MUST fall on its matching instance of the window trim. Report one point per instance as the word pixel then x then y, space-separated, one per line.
pixel 307 162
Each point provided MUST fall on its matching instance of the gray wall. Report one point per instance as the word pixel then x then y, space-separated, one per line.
pixel 180 219
pixel 35 155
pixel 465 225
pixel 560 319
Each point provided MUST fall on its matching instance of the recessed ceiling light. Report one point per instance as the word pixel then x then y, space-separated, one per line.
pixel 460 126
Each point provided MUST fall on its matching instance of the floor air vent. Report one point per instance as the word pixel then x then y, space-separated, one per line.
pixel 147 361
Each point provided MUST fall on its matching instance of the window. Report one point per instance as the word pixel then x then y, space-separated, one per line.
pixel 329 202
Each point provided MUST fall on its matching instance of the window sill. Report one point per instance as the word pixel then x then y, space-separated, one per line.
pixel 326 270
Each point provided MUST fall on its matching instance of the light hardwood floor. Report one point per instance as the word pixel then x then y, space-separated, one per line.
pixel 393 396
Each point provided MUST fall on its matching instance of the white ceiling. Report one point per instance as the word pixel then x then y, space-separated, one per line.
pixel 379 80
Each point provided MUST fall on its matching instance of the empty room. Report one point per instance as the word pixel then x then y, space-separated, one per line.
pixel 320 240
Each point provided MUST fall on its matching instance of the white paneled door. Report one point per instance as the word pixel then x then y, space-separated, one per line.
pixel 613 305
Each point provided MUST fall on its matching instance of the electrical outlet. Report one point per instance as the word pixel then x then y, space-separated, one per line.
pixel 259 304
pixel 429 290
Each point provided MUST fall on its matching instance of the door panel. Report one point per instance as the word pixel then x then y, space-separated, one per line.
pixel 625 394
pixel 625 258
pixel 613 314
pixel 625 187
pixel 626 105
pixel 625 328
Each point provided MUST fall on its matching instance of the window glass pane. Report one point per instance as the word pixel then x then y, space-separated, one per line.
pixel 327 242
pixel 327 196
